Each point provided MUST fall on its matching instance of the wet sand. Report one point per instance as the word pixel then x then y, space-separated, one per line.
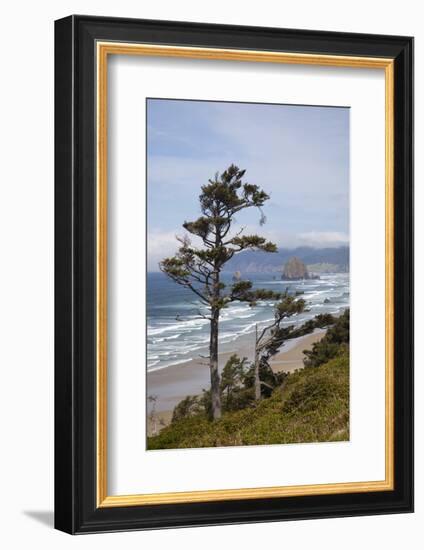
pixel 174 383
pixel 292 359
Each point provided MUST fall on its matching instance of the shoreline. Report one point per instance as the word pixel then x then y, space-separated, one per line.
pixel 173 383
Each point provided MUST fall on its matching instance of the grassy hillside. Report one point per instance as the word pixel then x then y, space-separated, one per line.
pixel 311 405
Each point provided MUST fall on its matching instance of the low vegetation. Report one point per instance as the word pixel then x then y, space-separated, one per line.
pixel 309 405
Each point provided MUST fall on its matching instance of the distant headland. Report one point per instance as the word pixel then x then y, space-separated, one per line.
pixel 316 260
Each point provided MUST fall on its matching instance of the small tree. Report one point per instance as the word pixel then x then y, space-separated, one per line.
pixel 233 383
pixel 269 340
pixel 335 340
pixel 189 406
pixel 152 416
pixel 199 268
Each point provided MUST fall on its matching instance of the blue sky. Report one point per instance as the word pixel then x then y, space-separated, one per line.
pixel 298 154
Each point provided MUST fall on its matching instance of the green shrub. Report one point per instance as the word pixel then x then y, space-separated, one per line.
pixel 236 390
pixel 189 406
pixel 311 405
pixel 335 341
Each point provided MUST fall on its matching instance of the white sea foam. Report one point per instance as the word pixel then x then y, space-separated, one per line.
pixel 172 341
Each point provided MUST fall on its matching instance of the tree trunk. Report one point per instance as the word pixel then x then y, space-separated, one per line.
pixel 213 365
pixel 257 379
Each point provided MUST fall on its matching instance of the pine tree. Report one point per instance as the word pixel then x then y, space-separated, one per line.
pixel 233 380
pixel 269 340
pixel 199 268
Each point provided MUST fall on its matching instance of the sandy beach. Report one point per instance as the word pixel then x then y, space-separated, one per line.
pixel 174 383
pixel 292 359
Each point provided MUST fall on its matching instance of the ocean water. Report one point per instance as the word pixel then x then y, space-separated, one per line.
pixel 176 333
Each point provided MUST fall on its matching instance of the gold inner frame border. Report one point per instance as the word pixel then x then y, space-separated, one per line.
pixel 103 50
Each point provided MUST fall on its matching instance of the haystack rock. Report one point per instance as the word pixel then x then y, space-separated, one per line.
pixel 236 276
pixel 294 269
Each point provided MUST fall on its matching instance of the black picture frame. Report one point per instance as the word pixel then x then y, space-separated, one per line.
pixel 76 510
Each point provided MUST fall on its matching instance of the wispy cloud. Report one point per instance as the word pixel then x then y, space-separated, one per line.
pixel 299 155
pixel 162 245
pixel 320 239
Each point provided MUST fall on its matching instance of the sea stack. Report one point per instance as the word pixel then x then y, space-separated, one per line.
pixel 236 276
pixel 294 269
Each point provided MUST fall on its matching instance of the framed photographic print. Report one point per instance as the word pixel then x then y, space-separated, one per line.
pixel 233 274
